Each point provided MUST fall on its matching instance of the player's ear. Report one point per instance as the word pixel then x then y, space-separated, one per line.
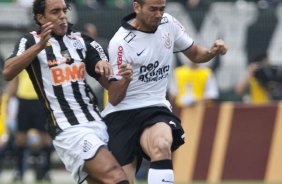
pixel 136 7
pixel 40 18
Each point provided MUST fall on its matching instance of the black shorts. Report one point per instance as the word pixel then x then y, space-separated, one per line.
pixel 31 115
pixel 125 128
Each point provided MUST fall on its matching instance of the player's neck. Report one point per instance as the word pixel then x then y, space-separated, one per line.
pixel 134 23
pixel 138 25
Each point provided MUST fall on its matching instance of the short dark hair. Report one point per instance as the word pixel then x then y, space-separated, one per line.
pixel 39 8
pixel 141 2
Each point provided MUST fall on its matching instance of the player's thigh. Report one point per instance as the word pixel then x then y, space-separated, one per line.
pixel 154 135
pixel 104 167
pixel 130 170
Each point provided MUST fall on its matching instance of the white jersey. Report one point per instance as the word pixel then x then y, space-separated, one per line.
pixel 150 54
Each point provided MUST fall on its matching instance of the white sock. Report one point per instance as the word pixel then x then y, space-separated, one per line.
pixel 160 176
pixel 161 172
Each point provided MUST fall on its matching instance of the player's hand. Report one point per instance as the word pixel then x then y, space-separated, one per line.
pixel 126 71
pixel 45 34
pixel 104 68
pixel 218 48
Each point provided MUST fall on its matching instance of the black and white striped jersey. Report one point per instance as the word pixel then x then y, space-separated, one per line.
pixel 58 76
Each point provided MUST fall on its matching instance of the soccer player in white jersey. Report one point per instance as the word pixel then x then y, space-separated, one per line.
pixel 139 118
pixel 56 59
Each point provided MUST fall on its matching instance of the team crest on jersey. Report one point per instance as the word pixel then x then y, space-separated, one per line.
pixel 77 44
pixel 167 41
pixel 87 146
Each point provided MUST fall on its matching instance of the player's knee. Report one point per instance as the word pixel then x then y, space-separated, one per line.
pixel 115 174
pixel 161 149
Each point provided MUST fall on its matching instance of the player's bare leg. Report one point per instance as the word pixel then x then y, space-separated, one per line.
pixel 156 142
pixel 130 170
pixel 103 168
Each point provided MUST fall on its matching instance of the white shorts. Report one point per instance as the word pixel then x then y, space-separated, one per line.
pixel 79 143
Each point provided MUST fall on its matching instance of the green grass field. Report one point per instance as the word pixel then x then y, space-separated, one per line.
pixel 139 182
pixel 60 176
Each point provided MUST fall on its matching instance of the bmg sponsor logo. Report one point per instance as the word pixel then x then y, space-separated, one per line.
pixel 68 73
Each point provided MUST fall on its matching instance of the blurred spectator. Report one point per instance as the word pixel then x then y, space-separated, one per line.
pixel 249 87
pixel 31 135
pixel 270 78
pixel 192 4
pixel 120 4
pixel 94 4
pixel 1 79
pixel 6 1
pixel 264 4
pixel 193 84
pixel 3 133
pixel 4 136
pixel 90 30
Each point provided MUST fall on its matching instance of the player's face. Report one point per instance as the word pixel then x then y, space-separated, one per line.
pixel 149 15
pixel 55 12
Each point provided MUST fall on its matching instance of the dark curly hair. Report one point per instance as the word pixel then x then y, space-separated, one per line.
pixel 39 8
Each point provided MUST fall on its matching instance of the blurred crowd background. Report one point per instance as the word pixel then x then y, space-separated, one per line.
pixel 251 72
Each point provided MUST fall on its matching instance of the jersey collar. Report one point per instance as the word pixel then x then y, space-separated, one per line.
pixel 126 25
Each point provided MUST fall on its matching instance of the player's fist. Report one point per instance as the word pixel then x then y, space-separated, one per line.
pixel 218 48
pixel 126 71
pixel 104 68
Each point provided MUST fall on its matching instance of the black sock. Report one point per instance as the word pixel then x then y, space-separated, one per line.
pixel 161 172
pixel 161 164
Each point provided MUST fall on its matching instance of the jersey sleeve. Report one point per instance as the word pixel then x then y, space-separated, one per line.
pixel 182 40
pixel 117 57
pixel 95 53
pixel 22 45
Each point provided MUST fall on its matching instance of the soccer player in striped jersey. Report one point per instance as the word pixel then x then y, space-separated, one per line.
pixel 139 118
pixel 56 59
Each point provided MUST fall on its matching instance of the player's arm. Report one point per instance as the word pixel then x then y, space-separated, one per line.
pixel 97 64
pixel 117 88
pixel 23 54
pixel 104 70
pixel 123 71
pixel 199 54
